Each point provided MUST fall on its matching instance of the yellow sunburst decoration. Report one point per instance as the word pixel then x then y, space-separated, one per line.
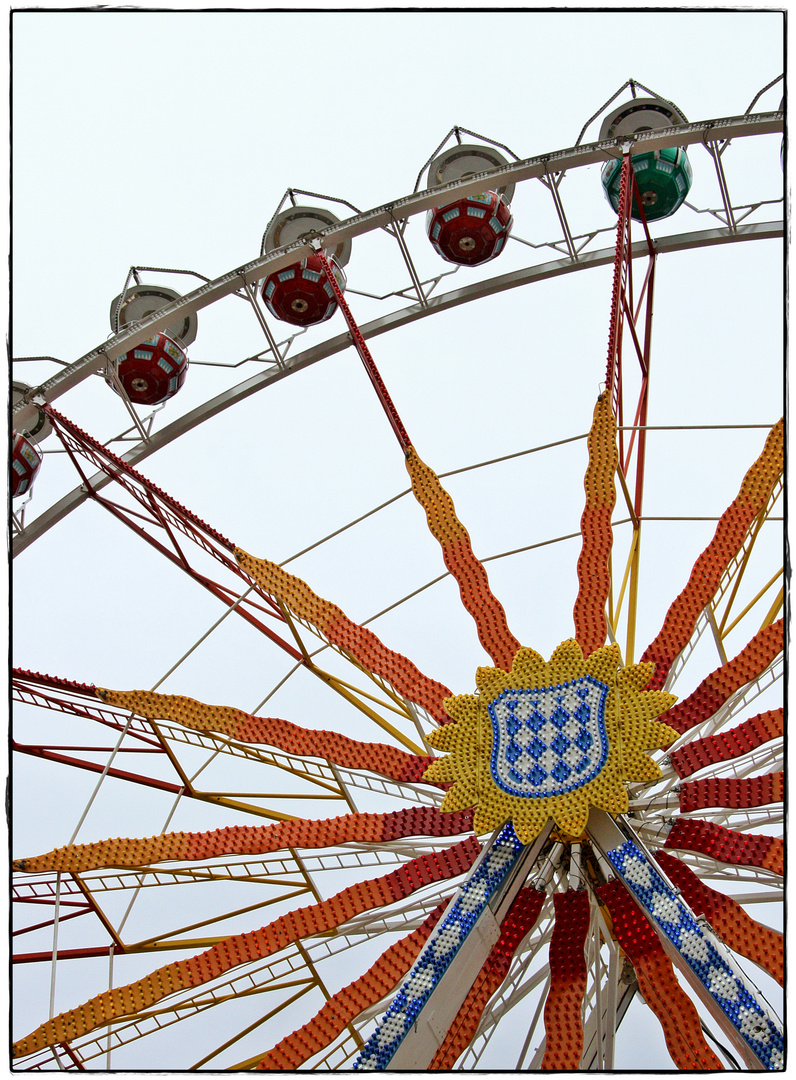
pixel 551 739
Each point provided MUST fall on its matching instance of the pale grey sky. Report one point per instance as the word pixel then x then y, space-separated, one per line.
pixel 167 140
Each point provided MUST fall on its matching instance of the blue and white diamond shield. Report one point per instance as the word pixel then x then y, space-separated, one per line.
pixel 549 741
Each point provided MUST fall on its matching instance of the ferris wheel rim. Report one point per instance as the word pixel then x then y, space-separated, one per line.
pixel 708 132
pixel 665 245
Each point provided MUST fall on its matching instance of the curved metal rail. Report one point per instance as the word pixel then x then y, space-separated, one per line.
pixel 477 290
pixel 707 132
pixel 544 167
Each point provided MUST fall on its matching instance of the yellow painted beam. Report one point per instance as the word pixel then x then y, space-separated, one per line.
pixel 771 615
pixel 385 725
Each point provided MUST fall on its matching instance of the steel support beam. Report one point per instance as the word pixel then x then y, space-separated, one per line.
pixel 608 836
pixel 421 1042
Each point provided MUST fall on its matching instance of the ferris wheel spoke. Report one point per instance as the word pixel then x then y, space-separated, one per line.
pixel 563 1007
pixel 377 828
pixel 337 749
pixel 345 1006
pixel 730 745
pixel 733 793
pixel 611 988
pixel 518 924
pixel 326 778
pixel 717 688
pixel 354 640
pixel 242 948
pixel 287 979
pixel 770 757
pixel 594 579
pixel 528 976
pixel 527 972
pixel 727 845
pixel 287 876
pixel 724 559
pixel 738 702
pixel 657 981
pixel 727 917
pixel 466 569
pixel 157 518
pixel 766 887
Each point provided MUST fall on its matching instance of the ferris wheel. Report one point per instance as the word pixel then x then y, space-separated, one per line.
pixel 399 873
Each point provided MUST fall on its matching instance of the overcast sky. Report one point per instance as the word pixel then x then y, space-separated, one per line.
pixel 168 139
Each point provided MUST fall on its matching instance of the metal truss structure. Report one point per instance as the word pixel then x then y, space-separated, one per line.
pixel 562 936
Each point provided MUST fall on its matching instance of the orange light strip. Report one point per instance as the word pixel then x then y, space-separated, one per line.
pixel 348 1003
pixel 254 945
pixel 722 683
pixel 242 726
pixel 467 571
pixel 735 927
pixel 594 578
pixel 733 525
pixel 562 1012
pixel 360 644
pixel 250 840
pixel 519 922
pixel 657 981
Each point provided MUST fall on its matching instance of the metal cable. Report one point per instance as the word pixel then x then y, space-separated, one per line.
pixel 632 83
pixel 428 162
pixel 310 194
pixel 455 131
pixel 760 93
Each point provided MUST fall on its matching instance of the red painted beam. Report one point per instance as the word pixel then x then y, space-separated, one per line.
pixel 93 766
pixel 67 954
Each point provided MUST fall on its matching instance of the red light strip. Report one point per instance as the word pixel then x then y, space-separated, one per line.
pixel 728 745
pixel 367 359
pixel 250 840
pixel 727 845
pixel 735 927
pixel 562 1012
pixel 722 683
pixel 657 981
pixel 519 922
pixel 729 792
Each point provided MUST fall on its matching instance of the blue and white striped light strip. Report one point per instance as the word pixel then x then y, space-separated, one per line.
pixel 727 988
pixel 440 949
